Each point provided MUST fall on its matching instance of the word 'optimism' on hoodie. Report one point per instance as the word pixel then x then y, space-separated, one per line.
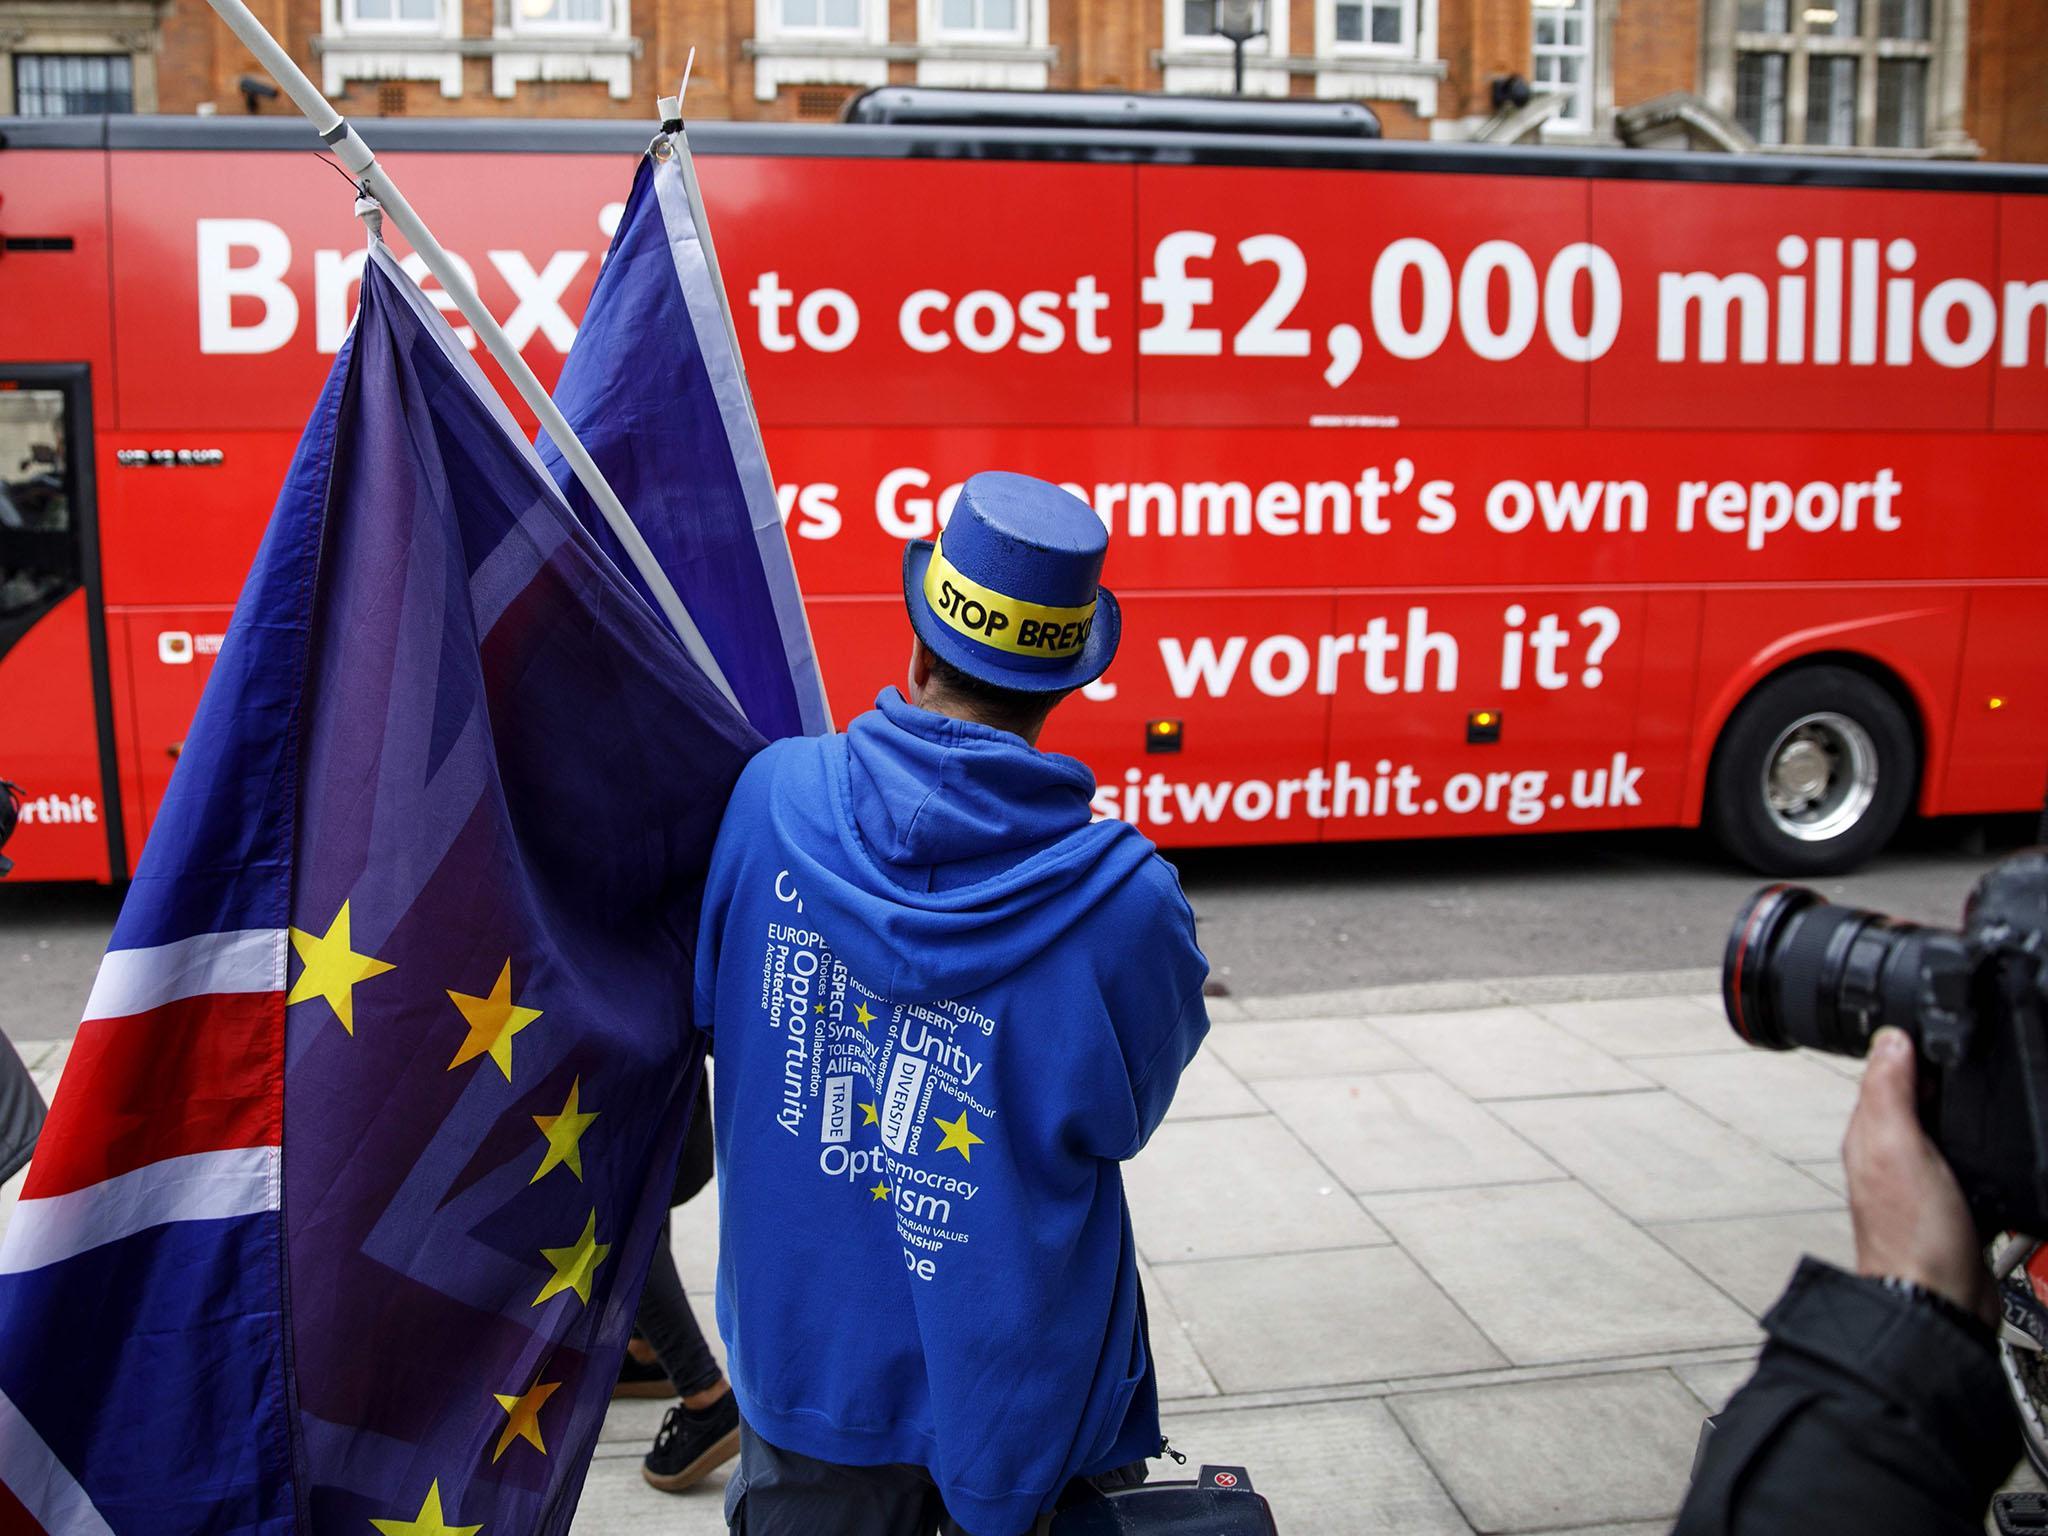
pixel 944 1008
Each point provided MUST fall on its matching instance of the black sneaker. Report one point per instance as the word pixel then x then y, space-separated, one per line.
pixel 692 1444
pixel 642 1378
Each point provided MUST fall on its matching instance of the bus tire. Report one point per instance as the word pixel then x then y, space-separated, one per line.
pixel 1813 773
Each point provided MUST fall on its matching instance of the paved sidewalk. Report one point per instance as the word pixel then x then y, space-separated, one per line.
pixel 1438 1260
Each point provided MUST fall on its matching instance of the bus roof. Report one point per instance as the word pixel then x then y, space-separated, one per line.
pixel 934 107
pixel 1038 142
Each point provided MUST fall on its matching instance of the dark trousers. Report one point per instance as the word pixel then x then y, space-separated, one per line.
pixel 781 1493
pixel 666 1322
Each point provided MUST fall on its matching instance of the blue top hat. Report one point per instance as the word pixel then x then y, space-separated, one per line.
pixel 1009 593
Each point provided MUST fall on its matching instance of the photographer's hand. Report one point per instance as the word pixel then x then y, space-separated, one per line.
pixel 1904 1202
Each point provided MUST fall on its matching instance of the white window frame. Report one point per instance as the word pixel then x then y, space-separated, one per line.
pixel 1015 35
pixel 1270 44
pixel 349 24
pixel 1327 42
pixel 769 20
pixel 532 26
pixel 1586 53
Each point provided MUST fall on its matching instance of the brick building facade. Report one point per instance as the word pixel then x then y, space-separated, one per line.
pixel 1901 77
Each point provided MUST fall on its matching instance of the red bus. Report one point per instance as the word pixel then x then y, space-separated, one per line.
pixel 1450 490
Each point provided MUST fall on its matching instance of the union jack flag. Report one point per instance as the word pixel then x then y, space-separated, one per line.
pixel 342 1209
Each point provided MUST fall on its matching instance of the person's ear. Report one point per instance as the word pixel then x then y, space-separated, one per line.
pixel 920 671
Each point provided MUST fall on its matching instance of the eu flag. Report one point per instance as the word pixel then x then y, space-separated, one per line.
pixel 654 389
pixel 345 1200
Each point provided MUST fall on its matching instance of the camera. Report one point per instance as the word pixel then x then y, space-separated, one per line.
pixel 1801 971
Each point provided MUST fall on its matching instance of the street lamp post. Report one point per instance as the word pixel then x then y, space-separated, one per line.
pixel 1239 21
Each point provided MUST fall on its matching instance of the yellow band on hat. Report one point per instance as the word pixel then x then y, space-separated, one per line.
pixel 1007 623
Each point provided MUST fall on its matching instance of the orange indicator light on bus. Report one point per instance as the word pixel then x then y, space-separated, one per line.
pixel 1994 702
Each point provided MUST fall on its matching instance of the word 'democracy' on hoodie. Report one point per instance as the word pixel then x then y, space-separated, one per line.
pixel 945 1006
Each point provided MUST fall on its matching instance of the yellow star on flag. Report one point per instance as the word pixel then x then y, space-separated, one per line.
pixel 332 968
pixel 493 1021
pixel 957 1136
pixel 867 1115
pixel 820 1008
pixel 522 1420
pixel 428 1522
pixel 573 1265
pixel 563 1132
pixel 861 1013
pixel 879 1191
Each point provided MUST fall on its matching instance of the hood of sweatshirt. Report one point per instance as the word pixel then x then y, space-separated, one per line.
pixel 944 854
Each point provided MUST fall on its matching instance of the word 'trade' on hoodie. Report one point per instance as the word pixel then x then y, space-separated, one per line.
pixel 944 1007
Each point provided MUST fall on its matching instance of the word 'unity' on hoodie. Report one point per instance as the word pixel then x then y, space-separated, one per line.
pixel 945 1006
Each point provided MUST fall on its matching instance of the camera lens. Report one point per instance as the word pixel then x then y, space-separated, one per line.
pixel 1745 964
pixel 1798 971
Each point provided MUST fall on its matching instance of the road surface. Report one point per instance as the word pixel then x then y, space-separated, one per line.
pixel 1315 919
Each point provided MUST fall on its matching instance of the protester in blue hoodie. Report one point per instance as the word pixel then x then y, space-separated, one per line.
pixel 945 1006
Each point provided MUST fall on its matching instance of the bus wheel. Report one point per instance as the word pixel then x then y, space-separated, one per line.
pixel 1813 773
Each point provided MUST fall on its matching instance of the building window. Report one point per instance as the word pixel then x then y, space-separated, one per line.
pixel 1902 103
pixel 578 16
pixel 391 15
pixel 1833 74
pixel 1191 25
pixel 981 20
pixel 1372 23
pixel 1561 48
pixel 1760 95
pixel 73 84
pixel 819 15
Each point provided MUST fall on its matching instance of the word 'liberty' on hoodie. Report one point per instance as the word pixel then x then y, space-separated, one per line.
pixel 944 1007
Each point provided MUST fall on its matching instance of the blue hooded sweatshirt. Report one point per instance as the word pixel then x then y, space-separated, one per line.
pixel 944 1007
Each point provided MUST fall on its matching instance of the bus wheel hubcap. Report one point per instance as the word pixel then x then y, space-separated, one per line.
pixel 1819 776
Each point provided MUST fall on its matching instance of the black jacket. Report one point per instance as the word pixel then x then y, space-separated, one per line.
pixel 1869 1413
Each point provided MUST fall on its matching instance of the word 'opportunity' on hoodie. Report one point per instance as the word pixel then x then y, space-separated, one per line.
pixel 944 1007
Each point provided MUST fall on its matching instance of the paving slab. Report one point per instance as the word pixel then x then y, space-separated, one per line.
pixel 1713 1384
pixel 1829 1171
pixel 630 1423
pixel 1306 1048
pixel 1493 1053
pixel 1751 1259
pixel 617 1502
pixel 1403 1130
pixel 1661 1159
pixel 1551 1274
pixel 1847 1066
pixel 1181 1372
pixel 693 1238
pixel 1590 986
pixel 1322 1319
pixel 47 1066
pixel 1646 1026
pixel 1227 1188
pixel 36 1054
pixel 1334 1467
pixel 1789 1103
pixel 1588 1451
pixel 1209 1089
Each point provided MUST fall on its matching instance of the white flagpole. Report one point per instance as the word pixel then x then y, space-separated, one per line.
pixel 336 131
